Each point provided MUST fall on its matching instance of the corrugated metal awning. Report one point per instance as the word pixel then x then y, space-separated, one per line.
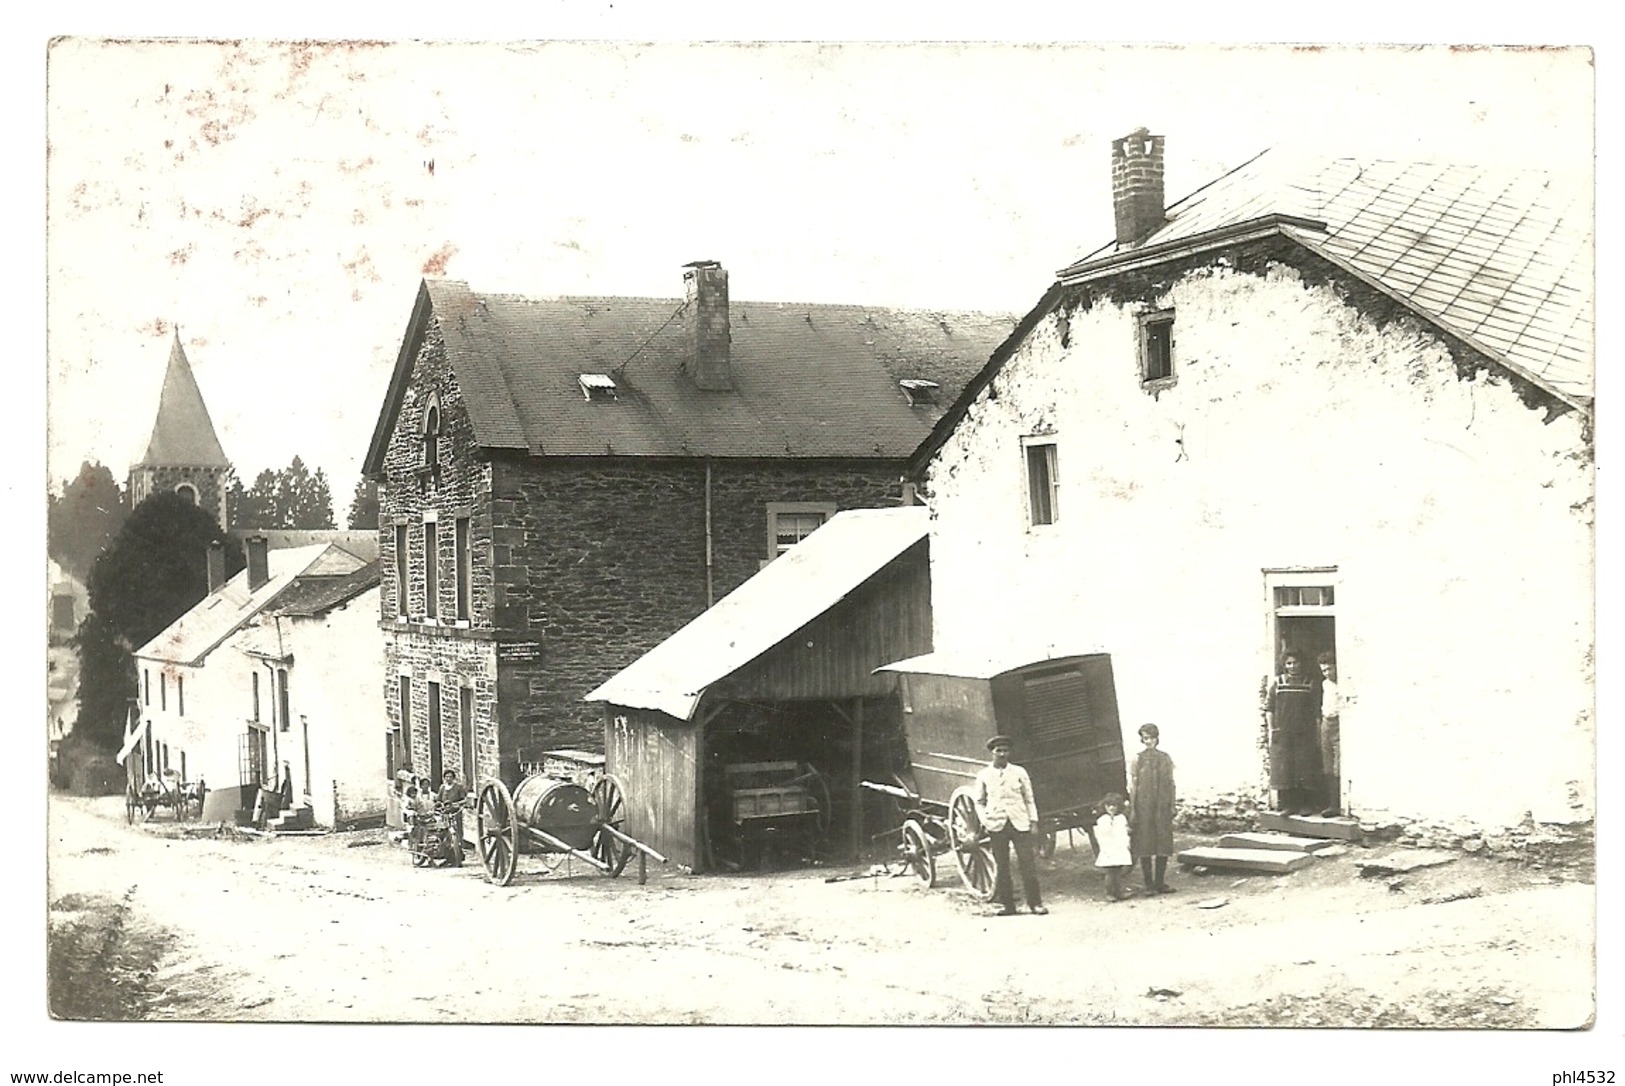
pixel 790 592
pixel 981 665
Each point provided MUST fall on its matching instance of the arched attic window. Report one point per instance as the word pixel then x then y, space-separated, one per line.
pixel 429 472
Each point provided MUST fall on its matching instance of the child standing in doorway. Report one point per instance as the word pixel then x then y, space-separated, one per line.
pixel 1112 845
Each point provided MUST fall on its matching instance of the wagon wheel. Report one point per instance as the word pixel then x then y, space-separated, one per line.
pixel 609 801
pixel 498 825
pixel 977 868
pixel 916 854
pixel 130 804
pixel 820 791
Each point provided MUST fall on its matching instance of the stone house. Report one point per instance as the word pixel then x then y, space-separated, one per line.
pixel 1316 406
pixel 259 680
pixel 586 475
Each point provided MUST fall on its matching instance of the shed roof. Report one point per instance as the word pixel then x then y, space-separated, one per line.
pixel 809 381
pixel 1500 258
pixel 982 665
pixel 190 638
pixel 790 592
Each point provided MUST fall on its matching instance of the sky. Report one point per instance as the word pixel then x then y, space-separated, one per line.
pixel 278 203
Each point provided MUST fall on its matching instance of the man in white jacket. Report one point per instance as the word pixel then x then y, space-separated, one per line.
pixel 1004 801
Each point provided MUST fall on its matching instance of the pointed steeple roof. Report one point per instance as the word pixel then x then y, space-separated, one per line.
pixel 182 433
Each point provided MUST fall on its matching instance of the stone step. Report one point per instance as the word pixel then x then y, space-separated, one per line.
pixel 1286 842
pixel 1266 860
pixel 1336 829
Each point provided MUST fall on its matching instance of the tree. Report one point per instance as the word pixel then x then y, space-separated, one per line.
pixel 84 519
pixel 364 506
pixel 154 571
pixel 290 498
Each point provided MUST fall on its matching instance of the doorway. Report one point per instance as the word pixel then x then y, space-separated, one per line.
pixel 1303 623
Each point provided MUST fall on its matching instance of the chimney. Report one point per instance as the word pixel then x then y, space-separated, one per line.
pixel 259 566
pixel 705 289
pixel 217 566
pixel 1137 185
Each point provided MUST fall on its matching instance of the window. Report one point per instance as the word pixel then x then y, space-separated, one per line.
pixel 431 570
pixel 465 572
pixel 188 493
pixel 254 681
pixel 431 437
pixel 465 709
pixel 403 562
pixel 282 696
pixel 596 386
pixel 788 523
pixel 163 691
pixel 146 687
pixel 406 718
pixel 180 695
pixel 1043 483
pixel 1157 347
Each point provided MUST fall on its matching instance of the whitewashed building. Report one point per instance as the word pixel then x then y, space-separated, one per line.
pixel 260 680
pixel 1327 406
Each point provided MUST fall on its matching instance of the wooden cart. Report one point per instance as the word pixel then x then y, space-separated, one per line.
pixel 774 802
pixel 555 818
pixel 1061 714
pixel 144 796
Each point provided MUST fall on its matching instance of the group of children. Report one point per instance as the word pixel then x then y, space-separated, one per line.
pixel 1142 827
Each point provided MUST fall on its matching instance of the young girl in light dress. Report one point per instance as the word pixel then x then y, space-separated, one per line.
pixel 1112 846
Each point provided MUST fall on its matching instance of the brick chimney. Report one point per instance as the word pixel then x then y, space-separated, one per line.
pixel 259 565
pixel 705 288
pixel 217 566
pixel 1137 198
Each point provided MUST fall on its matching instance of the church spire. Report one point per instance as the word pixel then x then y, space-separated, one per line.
pixel 182 434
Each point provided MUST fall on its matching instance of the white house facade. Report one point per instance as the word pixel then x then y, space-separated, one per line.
pixel 1242 430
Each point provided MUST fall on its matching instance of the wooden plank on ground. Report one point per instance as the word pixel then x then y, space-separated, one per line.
pixel 1264 860
pixel 1286 842
pixel 1337 829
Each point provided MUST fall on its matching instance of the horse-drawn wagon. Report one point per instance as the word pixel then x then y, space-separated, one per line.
pixel 1061 714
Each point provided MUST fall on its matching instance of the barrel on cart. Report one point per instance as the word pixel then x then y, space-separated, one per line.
pixel 1061 714
pixel 555 818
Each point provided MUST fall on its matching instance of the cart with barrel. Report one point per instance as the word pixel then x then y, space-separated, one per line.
pixel 556 819
pixel 1062 715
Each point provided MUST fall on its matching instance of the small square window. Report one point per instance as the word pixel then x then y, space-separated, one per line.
pixel 1043 483
pixel 788 523
pixel 1157 347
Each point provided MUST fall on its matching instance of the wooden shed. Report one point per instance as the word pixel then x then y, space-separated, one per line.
pixel 781 671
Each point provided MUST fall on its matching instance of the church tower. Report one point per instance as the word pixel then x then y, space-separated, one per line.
pixel 183 454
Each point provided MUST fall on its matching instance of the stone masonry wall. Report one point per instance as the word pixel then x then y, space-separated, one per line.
pixel 602 559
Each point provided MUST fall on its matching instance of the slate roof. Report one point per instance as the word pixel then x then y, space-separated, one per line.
pixel 359 542
pixel 182 433
pixel 810 381
pixel 784 596
pixel 316 595
pixel 218 615
pixel 1502 259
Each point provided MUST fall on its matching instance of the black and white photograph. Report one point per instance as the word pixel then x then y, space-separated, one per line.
pixel 570 532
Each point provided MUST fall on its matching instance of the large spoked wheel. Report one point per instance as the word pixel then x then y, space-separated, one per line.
pixel 130 805
pixel 609 801
pixel 977 868
pixel 916 854
pixel 498 825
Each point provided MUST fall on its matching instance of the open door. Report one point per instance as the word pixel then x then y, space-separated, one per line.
pixel 1303 623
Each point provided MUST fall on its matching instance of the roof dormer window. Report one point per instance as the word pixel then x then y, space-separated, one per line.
pixel 919 392
pixel 597 386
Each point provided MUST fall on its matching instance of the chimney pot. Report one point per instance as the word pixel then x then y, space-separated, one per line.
pixel 1137 192
pixel 216 565
pixel 259 564
pixel 705 291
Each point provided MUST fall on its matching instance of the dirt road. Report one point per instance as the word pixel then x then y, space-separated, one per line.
pixel 313 930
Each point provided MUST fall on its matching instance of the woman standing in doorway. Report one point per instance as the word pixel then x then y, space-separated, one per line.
pixel 1291 719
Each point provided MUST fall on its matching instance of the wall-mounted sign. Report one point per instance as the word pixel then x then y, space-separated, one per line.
pixel 519 652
